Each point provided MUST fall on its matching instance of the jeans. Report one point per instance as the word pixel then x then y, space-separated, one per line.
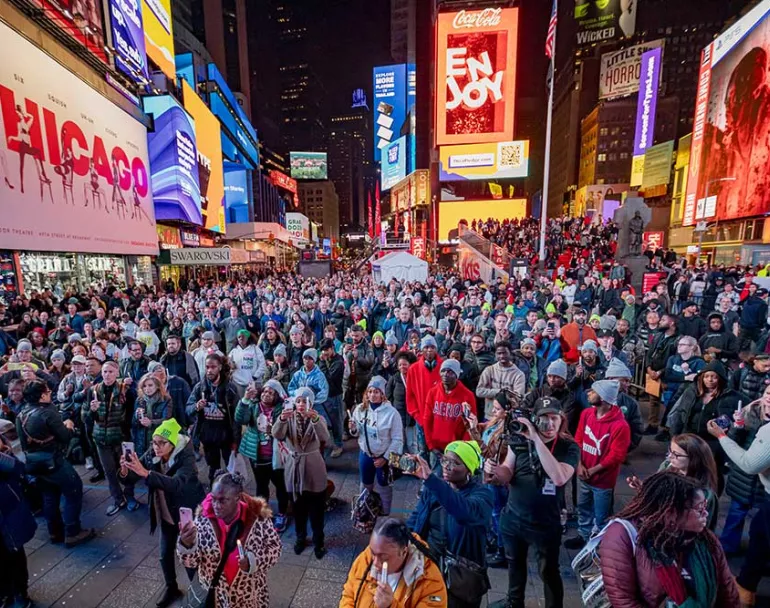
pixel 422 444
pixel 65 483
pixel 410 440
pixel 110 457
pixel 215 454
pixel 334 418
pixel 369 471
pixel 14 575
pixel 547 551
pixel 500 496
pixel 732 533
pixel 264 473
pixel 754 566
pixel 594 508
pixel 168 537
pixel 310 505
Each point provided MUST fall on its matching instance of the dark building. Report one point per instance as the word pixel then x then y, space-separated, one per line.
pixel 350 159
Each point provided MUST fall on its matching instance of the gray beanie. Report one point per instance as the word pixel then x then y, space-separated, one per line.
pixel 391 340
pixel 153 366
pixel 310 353
pixel 607 390
pixel 590 345
pixel 443 325
pixel 74 338
pixel 208 335
pixel 304 391
pixel 453 366
pixel 608 322
pixel 280 350
pixel 277 387
pixel 529 341
pixel 428 341
pixel 617 369
pixel 379 383
pixel 295 330
pixel 557 368
pixel 58 354
pixel 24 345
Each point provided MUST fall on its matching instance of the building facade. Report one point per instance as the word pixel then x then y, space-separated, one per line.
pixel 321 204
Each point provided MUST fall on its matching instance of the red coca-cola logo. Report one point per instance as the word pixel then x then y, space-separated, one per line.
pixel 488 17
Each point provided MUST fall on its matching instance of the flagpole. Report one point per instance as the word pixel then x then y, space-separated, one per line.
pixel 547 160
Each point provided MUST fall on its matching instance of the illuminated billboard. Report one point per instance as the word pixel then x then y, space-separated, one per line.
pixel 159 34
pixel 82 20
pixel 237 195
pixel 308 165
pixel 620 70
pixel 173 161
pixel 503 160
pixel 604 20
pixel 128 39
pixel 298 226
pixel 390 101
pixel 476 75
pixel 210 171
pixel 730 155
pixel 452 213
pixel 648 100
pixel 393 164
pixel 75 166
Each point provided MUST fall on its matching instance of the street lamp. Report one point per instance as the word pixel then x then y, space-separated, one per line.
pixel 705 202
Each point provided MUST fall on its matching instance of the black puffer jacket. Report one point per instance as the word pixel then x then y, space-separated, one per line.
pixel 751 383
pixel 742 487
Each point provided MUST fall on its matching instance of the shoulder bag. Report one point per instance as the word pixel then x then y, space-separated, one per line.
pixel 465 580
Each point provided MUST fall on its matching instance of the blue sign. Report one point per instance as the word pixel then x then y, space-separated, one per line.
pixel 359 99
pixel 173 161
pixel 393 164
pixel 411 109
pixel 237 195
pixel 390 99
pixel 128 39
pixel 327 246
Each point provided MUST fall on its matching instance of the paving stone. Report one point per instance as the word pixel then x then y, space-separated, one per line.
pixel 134 591
pixel 313 593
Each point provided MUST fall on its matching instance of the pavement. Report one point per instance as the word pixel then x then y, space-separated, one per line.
pixel 120 568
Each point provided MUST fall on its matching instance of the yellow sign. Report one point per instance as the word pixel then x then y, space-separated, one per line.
pixel 501 160
pixel 159 34
pixel 451 214
pixel 412 191
pixel 637 171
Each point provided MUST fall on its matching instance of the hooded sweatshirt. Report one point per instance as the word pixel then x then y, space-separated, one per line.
pixel 603 441
pixel 379 430
pixel 419 380
pixel 443 415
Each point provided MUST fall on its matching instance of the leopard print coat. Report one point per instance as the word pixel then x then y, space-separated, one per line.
pixel 259 539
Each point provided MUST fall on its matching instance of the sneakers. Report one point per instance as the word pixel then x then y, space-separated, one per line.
pixel 82 537
pixel 132 505
pixel 114 508
pixel 170 595
pixel 320 552
pixel 96 477
pixel 280 522
pixel 576 543
pixel 89 463
pixel 299 545
pixel 336 452
pixel 497 561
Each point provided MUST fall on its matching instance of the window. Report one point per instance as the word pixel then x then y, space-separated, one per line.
pixel 602 157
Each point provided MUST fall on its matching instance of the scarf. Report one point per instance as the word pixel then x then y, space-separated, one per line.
pixel 702 591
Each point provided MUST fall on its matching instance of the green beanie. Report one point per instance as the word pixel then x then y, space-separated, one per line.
pixel 469 453
pixel 169 430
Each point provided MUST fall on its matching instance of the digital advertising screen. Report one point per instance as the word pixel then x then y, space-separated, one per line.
pixel 393 165
pixel 730 153
pixel 210 170
pixel 76 167
pixel 476 75
pixel 173 161
pixel 619 71
pixel 452 214
pixel 159 34
pixel 390 105
pixel 237 195
pixel 649 80
pixel 604 20
pixel 308 165
pixel 128 38
pixel 82 20
pixel 502 160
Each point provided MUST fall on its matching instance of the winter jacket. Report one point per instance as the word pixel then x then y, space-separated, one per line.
pixel 112 418
pixel 482 359
pixel 395 391
pixel 663 347
pixel 248 364
pixel 675 372
pixel 363 364
pixel 630 579
pixel 750 383
pixel 754 314
pixel 131 368
pixel 466 517
pixel 179 483
pixel 725 341
pixel 258 538
pixel 179 391
pixel 419 380
pixel 497 377
pixel 558 348
pixel 379 430
pixel 742 487
pixel 689 415
pixel 443 415
pixel 572 333
pixel 314 380
pixel 421 584
pixel 633 415
pixel 305 468
pixel 603 441
pixel 693 326
pixel 214 423
pixel 157 412
pixel 183 365
pixel 231 327
pixel 17 524
pixel 334 371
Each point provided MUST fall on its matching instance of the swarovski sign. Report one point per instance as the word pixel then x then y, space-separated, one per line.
pixel 200 257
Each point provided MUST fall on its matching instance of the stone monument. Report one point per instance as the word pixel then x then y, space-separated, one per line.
pixel 632 218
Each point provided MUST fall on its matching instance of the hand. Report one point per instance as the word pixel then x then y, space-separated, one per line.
pixel 491 468
pixel 286 414
pixel 69 425
pixel 634 483
pixel 128 381
pixel 423 468
pixel 582 472
pixel 70 389
pixel 200 404
pixel 352 425
pixel 383 597
pixel 472 421
pixel 528 429
pixel 145 422
pixel 135 465
pixel 690 377
pixel 188 534
pixel 579 369
pixel 94 405
pixel 715 430
pixel 354 353
pixel 251 392
pixel 243 562
pixel 308 413
pixel 379 463
pixel 123 466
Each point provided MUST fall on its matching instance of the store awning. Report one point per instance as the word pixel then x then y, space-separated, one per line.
pixel 259 231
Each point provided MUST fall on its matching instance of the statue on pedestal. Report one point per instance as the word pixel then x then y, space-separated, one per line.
pixel 635 234
pixel 632 218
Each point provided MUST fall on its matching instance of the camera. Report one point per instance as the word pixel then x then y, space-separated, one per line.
pixel 512 426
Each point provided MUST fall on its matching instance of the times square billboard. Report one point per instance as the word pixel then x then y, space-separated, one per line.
pixel 476 52
pixel 730 156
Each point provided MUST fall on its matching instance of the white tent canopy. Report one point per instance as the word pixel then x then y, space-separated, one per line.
pixel 401 266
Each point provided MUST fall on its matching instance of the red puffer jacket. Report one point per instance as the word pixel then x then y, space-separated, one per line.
pixel 631 582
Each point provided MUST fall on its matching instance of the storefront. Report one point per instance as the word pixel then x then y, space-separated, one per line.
pixel 61 271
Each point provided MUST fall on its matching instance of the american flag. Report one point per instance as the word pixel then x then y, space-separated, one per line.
pixel 550 37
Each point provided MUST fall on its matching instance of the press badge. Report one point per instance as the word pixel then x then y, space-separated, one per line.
pixel 549 488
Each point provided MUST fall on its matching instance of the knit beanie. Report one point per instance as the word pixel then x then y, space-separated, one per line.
pixel 607 390
pixel 169 430
pixel 557 368
pixel 468 452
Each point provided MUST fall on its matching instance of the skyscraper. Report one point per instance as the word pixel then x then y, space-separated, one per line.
pixel 350 151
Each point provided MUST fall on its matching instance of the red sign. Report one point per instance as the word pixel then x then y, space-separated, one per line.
pixel 652 240
pixel 207 241
pixel 476 75
pixel 80 20
pixel 417 247
pixel 281 180
pixel 651 279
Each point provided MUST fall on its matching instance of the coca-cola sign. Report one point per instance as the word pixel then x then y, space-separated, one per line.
pixel 488 17
pixel 476 76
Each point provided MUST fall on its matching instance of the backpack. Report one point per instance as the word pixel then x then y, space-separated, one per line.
pixel 366 508
pixel 587 567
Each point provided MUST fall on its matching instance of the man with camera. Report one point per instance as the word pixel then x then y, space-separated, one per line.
pixel 541 459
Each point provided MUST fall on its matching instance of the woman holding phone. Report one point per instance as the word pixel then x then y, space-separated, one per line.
pixel 153 406
pixel 171 476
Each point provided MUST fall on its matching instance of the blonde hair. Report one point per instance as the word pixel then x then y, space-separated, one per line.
pixel 150 377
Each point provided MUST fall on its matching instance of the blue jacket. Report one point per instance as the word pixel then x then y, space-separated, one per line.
pixel 6 343
pixel 17 524
pixel 468 516
pixel 314 380
pixel 754 314
pixel 584 297
pixel 673 376
pixel 76 323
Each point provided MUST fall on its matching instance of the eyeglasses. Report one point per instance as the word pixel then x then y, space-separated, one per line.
pixel 675 455
pixel 449 464
pixel 159 444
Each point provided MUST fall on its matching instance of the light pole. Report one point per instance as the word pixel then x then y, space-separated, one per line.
pixel 705 202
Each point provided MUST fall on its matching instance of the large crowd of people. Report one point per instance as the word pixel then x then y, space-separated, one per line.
pixel 514 404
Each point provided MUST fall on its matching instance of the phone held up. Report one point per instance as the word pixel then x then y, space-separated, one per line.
pixel 403 462
pixel 185 515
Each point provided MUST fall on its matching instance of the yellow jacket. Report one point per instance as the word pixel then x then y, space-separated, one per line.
pixel 421 584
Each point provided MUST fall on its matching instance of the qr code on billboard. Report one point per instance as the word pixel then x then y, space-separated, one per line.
pixel 510 155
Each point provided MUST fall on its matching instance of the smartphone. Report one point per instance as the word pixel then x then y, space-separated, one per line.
pixel 402 462
pixel 466 410
pixel 551 325
pixel 723 422
pixel 288 404
pixel 185 515
pixel 241 550
pixel 127 447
